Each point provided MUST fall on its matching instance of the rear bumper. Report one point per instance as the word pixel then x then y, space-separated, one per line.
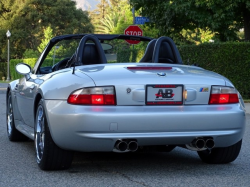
pixel 97 128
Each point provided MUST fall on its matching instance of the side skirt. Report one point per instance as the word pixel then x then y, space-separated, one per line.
pixel 26 130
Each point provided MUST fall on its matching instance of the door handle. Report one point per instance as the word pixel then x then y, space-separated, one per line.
pixel 16 87
pixel 32 87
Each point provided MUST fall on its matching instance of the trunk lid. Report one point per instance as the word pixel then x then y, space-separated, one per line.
pixel 130 80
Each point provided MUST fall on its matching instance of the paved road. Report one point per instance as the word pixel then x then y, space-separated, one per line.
pixel 178 168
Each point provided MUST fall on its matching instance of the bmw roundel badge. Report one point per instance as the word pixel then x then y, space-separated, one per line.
pixel 162 74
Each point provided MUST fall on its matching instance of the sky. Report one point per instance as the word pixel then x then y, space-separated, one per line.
pixel 87 4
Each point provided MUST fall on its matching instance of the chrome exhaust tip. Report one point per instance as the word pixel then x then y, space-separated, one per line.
pixel 199 143
pixel 132 146
pixel 121 145
pixel 209 143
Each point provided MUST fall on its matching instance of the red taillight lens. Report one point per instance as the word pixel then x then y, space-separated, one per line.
pixel 93 96
pixel 223 95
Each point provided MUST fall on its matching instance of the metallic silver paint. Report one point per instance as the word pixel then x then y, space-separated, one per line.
pixel 89 126
pixel 97 128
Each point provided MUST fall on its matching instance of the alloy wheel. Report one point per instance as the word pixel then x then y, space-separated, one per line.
pixel 40 133
pixel 9 117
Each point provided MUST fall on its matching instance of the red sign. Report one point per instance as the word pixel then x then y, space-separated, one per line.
pixel 134 31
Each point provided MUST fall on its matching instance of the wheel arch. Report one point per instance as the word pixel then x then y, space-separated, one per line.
pixel 7 93
pixel 36 102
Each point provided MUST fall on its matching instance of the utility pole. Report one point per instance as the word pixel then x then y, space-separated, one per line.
pixel 133 11
pixel 103 8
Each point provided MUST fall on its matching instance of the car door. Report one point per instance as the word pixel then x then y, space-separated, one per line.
pixel 25 93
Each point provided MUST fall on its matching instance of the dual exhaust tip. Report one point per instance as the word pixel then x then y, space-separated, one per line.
pixel 201 143
pixel 126 145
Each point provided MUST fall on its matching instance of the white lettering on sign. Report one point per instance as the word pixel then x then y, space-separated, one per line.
pixel 134 33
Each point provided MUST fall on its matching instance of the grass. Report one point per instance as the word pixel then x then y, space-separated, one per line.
pixel 246 100
pixel 4 81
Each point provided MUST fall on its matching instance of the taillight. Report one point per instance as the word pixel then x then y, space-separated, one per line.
pixel 93 96
pixel 223 95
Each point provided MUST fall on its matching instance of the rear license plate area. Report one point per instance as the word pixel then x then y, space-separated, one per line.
pixel 166 94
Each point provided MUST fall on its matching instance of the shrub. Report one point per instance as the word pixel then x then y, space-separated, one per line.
pixel 231 59
pixel 3 69
pixel 129 55
pixel 30 53
pixel 1 75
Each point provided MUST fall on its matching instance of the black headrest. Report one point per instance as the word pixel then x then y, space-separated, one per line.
pixel 90 54
pixel 166 54
pixel 149 52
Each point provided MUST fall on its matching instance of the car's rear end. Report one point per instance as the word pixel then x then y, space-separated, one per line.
pixel 133 106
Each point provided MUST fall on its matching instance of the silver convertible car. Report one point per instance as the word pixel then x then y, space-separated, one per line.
pixel 74 100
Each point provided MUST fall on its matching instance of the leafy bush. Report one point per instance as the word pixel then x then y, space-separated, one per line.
pixel 231 59
pixel 3 69
pixel 1 75
pixel 129 55
pixel 13 62
pixel 30 53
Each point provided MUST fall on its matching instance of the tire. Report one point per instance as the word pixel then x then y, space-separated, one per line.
pixel 221 155
pixel 13 134
pixel 48 155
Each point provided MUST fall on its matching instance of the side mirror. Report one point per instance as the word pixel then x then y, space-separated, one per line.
pixel 23 69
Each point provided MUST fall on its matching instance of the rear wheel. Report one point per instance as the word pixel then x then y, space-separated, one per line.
pixel 13 133
pixel 221 155
pixel 49 156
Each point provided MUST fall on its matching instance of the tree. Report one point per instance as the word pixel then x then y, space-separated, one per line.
pixel 48 34
pixel 3 9
pixel 27 20
pixel 108 23
pixel 221 17
pixel 99 14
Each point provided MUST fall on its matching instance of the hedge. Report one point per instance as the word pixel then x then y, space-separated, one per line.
pixel 3 70
pixel 129 55
pixel 13 62
pixel 231 60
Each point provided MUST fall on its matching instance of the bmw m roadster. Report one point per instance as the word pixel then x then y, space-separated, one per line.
pixel 77 101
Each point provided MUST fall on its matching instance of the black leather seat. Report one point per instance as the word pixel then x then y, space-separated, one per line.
pixel 90 55
pixel 166 53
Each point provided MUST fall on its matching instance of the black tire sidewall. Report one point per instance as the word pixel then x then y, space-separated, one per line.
pixel 222 155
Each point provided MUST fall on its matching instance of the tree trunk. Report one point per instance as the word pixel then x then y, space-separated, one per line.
pixel 246 19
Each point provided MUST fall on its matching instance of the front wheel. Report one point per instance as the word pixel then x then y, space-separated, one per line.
pixel 49 156
pixel 221 155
